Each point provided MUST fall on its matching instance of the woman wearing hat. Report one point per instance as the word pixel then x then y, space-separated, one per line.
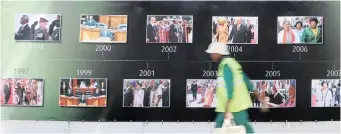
pixel 233 87
pixel 222 31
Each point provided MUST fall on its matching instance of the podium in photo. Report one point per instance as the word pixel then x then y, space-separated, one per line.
pixel 83 92
pixel 103 28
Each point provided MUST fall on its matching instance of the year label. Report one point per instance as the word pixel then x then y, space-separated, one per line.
pixel 147 73
pixel 272 73
pixel 209 73
pixel 168 49
pixel 299 49
pixel 103 48
pixel 84 72
pixel 37 46
pixel 20 70
pixel 235 49
pixel 333 72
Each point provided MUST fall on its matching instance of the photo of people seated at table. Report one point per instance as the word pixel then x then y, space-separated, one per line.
pixel 22 92
pixel 37 27
pixel 201 93
pixel 276 93
pixel 169 29
pixel 300 30
pixel 325 93
pixel 103 28
pixel 146 93
pixel 83 92
pixel 235 30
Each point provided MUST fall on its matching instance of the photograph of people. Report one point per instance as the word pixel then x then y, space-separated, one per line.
pixel 48 28
pixel 21 92
pixel 300 30
pixel 146 93
pixel 83 92
pixel 103 28
pixel 325 93
pixel 201 93
pixel 235 30
pixel 277 93
pixel 169 29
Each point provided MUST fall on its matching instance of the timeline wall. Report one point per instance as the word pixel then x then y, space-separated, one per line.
pixel 75 76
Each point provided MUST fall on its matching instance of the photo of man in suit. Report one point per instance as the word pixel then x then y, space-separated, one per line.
pixel 24 32
pixel 151 30
pixel 37 27
pixel 7 91
pixel 239 32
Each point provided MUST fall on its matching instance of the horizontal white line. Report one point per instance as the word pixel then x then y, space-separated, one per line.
pixel 241 61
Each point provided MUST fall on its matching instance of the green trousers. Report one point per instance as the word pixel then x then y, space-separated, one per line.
pixel 240 118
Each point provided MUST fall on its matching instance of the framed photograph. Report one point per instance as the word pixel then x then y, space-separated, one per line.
pixel 325 93
pixel 37 27
pixel 83 92
pixel 103 28
pixel 235 29
pixel 201 93
pixel 277 93
pixel 169 29
pixel 147 93
pixel 300 30
pixel 22 92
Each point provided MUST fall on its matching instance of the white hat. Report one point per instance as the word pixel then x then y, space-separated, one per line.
pixel 218 48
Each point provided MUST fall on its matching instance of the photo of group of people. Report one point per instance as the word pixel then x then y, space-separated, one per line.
pixel 22 92
pixel 235 30
pixel 276 93
pixel 103 28
pixel 83 92
pixel 325 93
pixel 169 29
pixel 146 93
pixel 48 28
pixel 201 93
pixel 300 30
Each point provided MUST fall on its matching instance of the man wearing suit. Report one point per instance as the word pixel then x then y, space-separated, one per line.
pixel 173 32
pixel 82 99
pixel 147 94
pixel 151 32
pixel 54 33
pixel 7 92
pixel 276 97
pixel 91 22
pixel 106 34
pixel 249 33
pixel 20 90
pixel 194 89
pixel 239 32
pixel 165 95
pixel 128 95
pixel 24 32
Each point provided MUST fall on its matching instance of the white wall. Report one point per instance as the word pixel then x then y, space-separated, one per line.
pixel 14 126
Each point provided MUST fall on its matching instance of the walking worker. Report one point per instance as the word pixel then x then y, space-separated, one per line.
pixel 233 89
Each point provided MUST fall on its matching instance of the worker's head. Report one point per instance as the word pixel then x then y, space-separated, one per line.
pixel 217 50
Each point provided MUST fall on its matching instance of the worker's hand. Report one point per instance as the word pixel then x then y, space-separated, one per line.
pixel 228 116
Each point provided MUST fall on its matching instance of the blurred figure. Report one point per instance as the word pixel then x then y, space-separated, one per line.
pixel 233 88
pixel 222 29
pixel 287 35
pixel 90 22
pixel 312 34
pixel 105 33
pixel 238 32
pixel 151 30
pixel 276 97
pixel 41 33
pixel 194 89
pixel 324 96
pixel 54 33
pixel 24 32
pixel 7 91
pixel 299 29
pixel 138 96
pixel 250 32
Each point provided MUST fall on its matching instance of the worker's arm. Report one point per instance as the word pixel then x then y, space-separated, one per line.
pixel 228 78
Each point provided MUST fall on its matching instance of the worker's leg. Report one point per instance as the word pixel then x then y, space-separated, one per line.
pixel 242 118
pixel 219 120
